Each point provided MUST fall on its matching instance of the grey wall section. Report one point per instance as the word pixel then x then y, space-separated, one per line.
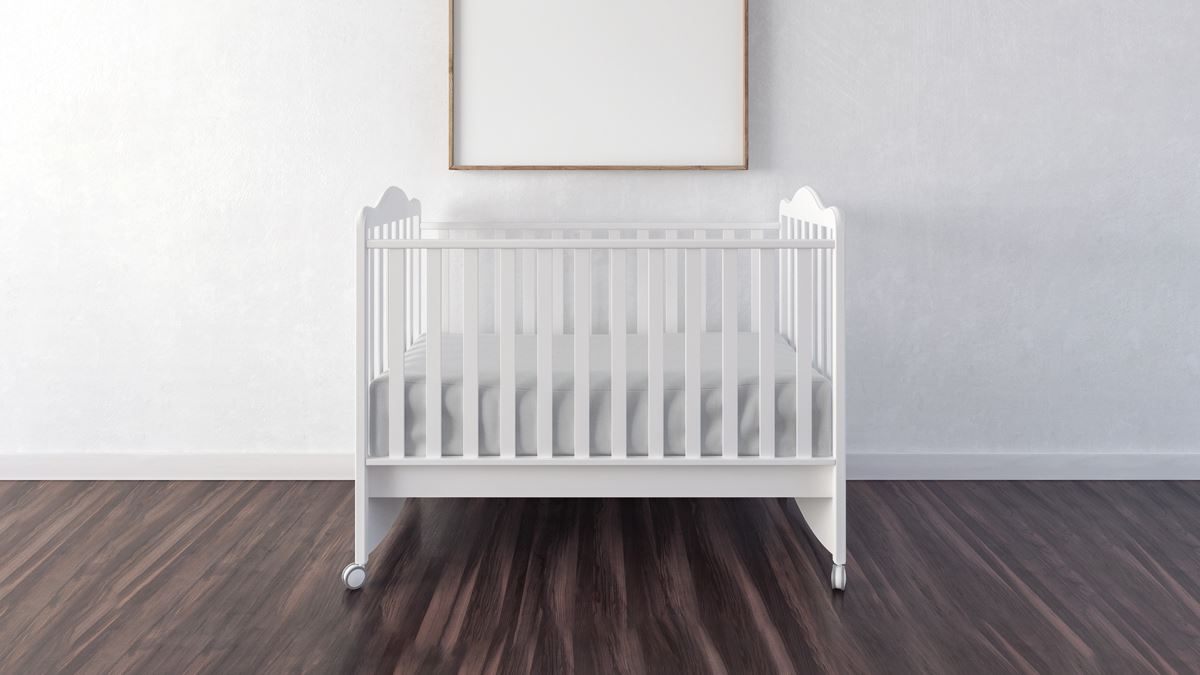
pixel 1021 184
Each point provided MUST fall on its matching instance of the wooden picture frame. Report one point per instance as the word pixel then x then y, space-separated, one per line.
pixel 720 131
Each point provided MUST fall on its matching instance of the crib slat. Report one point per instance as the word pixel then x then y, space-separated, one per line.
pixel 405 228
pixel 369 307
pixel 704 265
pixel 433 354
pixel 528 286
pixel 381 312
pixel 764 310
pixel 397 275
pixel 789 297
pixel 583 346
pixel 801 321
pixel 818 315
pixel 821 299
pixel 810 232
pixel 791 323
pixel 827 309
pixel 729 347
pixel 796 322
pixel 423 279
pixel 643 262
pixel 691 352
pixel 470 323
pixel 655 429
pixel 545 348
pixel 508 360
pixel 755 291
pixel 417 290
pixel 830 301
pixel 387 230
pixel 616 330
pixel 384 306
pixel 784 271
pixel 448 258
pixel 402 269
pixel 671 290
pixel 498 273
pixel 559 282
pixel 804 344
pixel 376 298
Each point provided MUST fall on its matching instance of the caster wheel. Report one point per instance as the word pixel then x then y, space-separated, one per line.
pixel 838 578
pixel 353 575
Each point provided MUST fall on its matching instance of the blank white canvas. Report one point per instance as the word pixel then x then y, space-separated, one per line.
pixel 598 82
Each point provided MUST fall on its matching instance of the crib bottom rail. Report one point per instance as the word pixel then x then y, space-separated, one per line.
pixel 814 478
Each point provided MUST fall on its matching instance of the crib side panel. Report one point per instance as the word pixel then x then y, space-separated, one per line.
pixel 385 307
pixel 787 283
pixel 816 286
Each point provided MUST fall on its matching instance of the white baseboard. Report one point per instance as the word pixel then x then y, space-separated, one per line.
pixel 861 466
pixel 214 466
pixel 1023 466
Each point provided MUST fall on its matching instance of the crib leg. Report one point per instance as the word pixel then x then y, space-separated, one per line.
pixel 838 577
pixel 381 515
pixel 827 519
pixel 353 576
pixel 373 520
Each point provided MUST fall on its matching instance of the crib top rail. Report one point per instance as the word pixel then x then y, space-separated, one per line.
pixel 498 226
pixel 633 244
pixel 804 205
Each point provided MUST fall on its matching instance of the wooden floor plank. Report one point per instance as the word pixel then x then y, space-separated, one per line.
pixel 228 577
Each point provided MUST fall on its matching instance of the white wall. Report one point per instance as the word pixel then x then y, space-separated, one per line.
pixel 178 183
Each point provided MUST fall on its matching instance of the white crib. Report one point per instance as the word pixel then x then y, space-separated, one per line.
pixel 600 360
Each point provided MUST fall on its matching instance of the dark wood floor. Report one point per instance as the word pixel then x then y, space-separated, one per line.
pixel 960 577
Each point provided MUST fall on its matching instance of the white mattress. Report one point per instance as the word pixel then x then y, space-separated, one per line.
pixel 601 399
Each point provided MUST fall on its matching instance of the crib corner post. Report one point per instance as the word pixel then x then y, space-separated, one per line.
pixel 354 574
pixel 838 259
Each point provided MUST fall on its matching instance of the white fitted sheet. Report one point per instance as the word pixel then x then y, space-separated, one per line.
pixel 601 398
